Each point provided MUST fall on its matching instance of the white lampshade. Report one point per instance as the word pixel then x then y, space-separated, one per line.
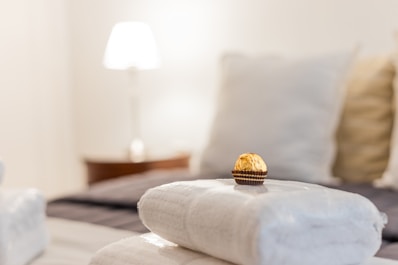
pixel 131 45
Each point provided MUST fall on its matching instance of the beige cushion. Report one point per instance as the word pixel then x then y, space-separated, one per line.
pixel 390 176
pixel 363 136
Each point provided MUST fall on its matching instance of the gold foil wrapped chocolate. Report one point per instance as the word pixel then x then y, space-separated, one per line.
pixel 249 169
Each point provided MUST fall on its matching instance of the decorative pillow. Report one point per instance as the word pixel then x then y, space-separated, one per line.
pixel 390 176
pixel 363 136
pixel 284 109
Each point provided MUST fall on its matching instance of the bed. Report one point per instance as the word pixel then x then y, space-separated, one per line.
pixel 74 243
pixel 113 203
pixel 317 135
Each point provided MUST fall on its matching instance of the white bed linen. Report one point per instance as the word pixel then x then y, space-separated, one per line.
pixel 74 243
pixel 150 249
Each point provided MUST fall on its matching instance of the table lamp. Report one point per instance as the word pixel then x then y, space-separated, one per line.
pixel 131 47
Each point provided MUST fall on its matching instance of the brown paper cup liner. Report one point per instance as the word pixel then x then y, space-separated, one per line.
pixel 244 177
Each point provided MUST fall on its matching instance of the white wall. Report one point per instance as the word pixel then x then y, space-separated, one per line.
pixel 36 130
pixel 179 97
pixel 58 104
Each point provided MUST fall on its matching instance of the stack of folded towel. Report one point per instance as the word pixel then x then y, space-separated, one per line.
pixel 23 233
pixel 280 222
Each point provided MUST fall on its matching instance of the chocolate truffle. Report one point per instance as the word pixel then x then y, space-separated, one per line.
pixel 250 169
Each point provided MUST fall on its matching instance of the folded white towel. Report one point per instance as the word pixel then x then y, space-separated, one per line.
pixel 282 222
pixel 150 249
pixel 22 224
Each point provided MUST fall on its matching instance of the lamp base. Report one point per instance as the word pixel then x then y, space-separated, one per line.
pixel 137 150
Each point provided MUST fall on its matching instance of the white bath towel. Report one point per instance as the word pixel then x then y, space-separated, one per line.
pixel 280 223
pixel 23 233
pixel 150 249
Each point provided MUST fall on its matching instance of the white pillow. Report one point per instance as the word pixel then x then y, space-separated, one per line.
pixel 284 109
pixel 390 176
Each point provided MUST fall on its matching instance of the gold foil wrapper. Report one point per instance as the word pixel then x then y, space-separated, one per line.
pixel 250 162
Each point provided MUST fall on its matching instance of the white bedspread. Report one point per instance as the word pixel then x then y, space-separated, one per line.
pixel 150 249
pixel 74 243
pixel 281 223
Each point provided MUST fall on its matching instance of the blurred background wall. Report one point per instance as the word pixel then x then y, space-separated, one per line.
pixel 59 105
